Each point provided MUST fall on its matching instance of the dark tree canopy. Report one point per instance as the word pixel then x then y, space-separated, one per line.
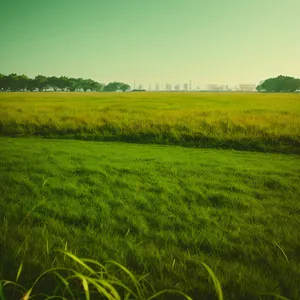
pixel 115 86
pixel 283 84
pixel 14 83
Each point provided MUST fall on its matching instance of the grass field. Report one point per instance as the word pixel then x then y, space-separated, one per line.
pixel 249 121
pixel 158 210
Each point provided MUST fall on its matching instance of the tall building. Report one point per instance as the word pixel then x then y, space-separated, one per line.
pixel 190 87
pixel 185 87
pixel 177 87
pixel 157 86
pixel 168 87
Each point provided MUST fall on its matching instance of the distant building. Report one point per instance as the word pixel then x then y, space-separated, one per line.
pixel 177 87
pixel 212 87
pixel 168 87
pixel 247 87
pixel 157 87
pixel 185 87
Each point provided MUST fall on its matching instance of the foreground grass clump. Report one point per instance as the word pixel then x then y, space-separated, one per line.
pixel 88 278
pixel 241 121
pixel 160 211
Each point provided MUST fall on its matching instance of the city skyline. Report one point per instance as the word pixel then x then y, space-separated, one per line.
pixel 171 41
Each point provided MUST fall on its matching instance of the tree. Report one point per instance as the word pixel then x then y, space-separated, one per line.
pixel 125 87
pixel 62 83
pixel 23 82
pixel 113 86
pixel 96 86
pixel 41 82
pixel 285 84
pixel 72 84
pixel 53 82
pixel 14 82
pixel 3 83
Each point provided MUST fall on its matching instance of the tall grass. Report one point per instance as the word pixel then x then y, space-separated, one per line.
pixel 89 279
pixel 261 122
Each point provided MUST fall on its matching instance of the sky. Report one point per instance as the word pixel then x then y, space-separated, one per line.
pixel 152 41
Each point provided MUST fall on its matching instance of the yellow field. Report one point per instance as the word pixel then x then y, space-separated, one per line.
pixel 248 121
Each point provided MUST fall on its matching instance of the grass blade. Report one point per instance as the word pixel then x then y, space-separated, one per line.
pixel 277 297
pixel 2 297
pixel 170 291
pixel 66 283
pixel 27 295
pixel 79 261
pixel 282 252
pixel 86 288
pixel 112 290
pixel 215 280
pixel 19 271
pixel 132 277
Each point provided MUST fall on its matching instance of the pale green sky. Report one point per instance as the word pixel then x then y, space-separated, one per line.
pixel 212 41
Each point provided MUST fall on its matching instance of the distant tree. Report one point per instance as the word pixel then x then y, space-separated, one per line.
pixel 125 87
pixel 62 83
pixel 96 86
pixel 23 82
pixel 41 82
pixel 81 84
pixel 1 82
pixel 89 83
pixel 4 86
pixel 14 82
pixel 113 86
pixel 285 84
pixel 53 82
pixel 72 84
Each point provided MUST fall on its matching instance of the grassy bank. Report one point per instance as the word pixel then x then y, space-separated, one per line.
pixel 259 122
pixel 158 210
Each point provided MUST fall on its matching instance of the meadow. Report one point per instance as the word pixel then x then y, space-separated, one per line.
pixel 227 202
pixel 158 210
pixel 240 121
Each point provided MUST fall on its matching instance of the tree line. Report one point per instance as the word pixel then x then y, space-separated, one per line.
pixel 20 83
pixel 283 84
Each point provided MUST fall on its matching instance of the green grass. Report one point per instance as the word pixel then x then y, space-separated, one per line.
pixel 160 211
pixel 240 121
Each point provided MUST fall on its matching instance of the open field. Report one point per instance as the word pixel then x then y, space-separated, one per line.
pixel 156 209
pixel 249 121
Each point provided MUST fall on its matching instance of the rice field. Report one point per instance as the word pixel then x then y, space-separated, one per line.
pixel 240 121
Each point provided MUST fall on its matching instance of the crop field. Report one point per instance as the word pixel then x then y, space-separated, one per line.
pixel 240 121
pixel 72 182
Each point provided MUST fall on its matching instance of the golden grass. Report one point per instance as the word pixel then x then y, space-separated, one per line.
pixel 176 118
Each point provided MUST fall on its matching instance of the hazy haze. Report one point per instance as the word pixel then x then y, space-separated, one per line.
pixel 216 41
